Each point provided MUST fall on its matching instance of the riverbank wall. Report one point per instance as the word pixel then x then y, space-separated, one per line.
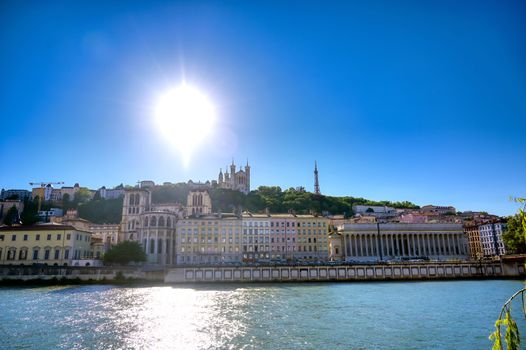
pixel 13 274
pixel 402 271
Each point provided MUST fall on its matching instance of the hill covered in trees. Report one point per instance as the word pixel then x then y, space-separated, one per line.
pixel 272 198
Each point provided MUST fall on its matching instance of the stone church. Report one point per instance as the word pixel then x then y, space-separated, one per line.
pixel 235 180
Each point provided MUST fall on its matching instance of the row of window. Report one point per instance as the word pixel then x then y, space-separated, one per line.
pixel 284 224
pixel 46 254
pixel 49 237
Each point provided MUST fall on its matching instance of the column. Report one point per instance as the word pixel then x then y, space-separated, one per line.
pixel 361 243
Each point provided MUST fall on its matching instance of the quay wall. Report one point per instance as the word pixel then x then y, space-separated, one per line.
pixel 301 273
pixel 415 271
pixel 43 273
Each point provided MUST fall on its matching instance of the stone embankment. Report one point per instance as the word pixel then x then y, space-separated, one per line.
pixel 402 271
pixel 10 274
pixel 13 274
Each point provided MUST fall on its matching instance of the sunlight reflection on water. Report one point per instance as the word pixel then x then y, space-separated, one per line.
pixel 446 315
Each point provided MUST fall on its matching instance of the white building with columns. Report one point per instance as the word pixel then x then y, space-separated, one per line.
pixel 395 241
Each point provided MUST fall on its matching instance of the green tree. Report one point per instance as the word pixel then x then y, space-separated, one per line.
pixel 81 196
pixel 511 334
pixel 11 216
pixel 124 253
pixel 104 211
pixel 515 238
pixel 29 214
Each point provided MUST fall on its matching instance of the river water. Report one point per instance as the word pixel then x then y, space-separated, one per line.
pixel 369 315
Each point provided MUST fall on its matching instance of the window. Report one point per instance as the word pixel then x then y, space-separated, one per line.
pixel 66 254
pixel 35 254
pixel 25 237
pixel 57 254
pixel 49 237
pixel 68 236
pixel 13 237
pixel 46 254
pixel 37 237
pixel 22 255
pixel 11 253
pixel 2 238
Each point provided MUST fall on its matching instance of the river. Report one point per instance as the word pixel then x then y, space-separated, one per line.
pixel 365 315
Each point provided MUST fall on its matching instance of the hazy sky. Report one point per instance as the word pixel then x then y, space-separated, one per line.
pixel 398 100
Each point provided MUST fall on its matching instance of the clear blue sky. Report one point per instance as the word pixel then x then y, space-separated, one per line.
pixel 398 100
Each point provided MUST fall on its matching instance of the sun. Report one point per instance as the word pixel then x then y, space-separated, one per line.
pixel 185 116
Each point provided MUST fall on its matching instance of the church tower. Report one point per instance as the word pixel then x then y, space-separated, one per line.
pixel 232 169
pixel 220 178
pixel 316 182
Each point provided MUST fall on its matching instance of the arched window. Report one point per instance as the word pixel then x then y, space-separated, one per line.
pixel 168 222
pixel 153 221
pixel 161 221
pixel 132 199
pixel 200 199
pixel 146 222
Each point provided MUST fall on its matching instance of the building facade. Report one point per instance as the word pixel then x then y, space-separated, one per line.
pixel 491 239
pixel 209 239
pixel 472 233
pixel 375 242
pixel 50 244
pixel 12 193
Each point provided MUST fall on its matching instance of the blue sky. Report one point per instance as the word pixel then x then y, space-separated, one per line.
pixel 396 100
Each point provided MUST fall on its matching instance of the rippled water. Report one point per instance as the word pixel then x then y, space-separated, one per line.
pixel 407 315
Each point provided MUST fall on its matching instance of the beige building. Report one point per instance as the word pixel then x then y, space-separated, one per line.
pixel 51 244
pixel 474 243
pixel 212 238
pixel 335 246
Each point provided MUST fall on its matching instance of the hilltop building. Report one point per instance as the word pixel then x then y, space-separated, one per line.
pixel 235 180
pixel 14 194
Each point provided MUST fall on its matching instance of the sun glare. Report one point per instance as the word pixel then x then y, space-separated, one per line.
pixel 185 117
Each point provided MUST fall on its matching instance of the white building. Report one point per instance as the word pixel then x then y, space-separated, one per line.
pixel 374 210
pixel 53 212
pixel 111 193
pixel 491 239
pixel 395 241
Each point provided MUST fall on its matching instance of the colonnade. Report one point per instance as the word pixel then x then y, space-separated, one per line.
pixel 404 244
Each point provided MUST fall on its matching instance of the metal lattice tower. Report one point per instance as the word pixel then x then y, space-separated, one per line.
pixel 316 182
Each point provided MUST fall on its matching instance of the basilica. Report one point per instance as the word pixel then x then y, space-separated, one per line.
pixel 235 180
